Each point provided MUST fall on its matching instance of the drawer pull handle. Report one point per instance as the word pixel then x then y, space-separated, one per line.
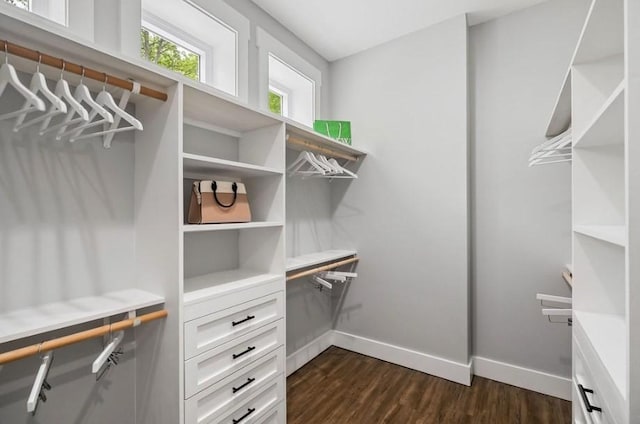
pixel 249 349
pixel 248 318
pixel 585 399
pixel 249 412
pixel 249 381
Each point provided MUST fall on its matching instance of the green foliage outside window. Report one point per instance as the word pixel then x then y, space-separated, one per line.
pixel 275 103
pixel 165 53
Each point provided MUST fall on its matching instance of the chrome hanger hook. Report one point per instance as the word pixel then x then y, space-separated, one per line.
pixel 82 76
pixel 104 85
pixel 39 61
pixel 6 52
pixel 64 65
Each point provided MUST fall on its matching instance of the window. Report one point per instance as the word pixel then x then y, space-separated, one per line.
pixel 170 54
pixel 292 90
pixel 56 10
pixel 194 42
pixel 288 84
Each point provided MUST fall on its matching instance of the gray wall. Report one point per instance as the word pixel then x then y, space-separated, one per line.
pixel 407 213
pixel 521 217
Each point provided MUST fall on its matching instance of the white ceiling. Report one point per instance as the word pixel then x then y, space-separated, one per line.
pixel 339 28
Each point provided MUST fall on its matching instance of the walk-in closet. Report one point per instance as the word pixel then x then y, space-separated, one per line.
pixel 269 212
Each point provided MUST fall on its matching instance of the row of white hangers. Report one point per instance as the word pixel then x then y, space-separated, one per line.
pixel 555 150
pixel 78 111
pixel 309 165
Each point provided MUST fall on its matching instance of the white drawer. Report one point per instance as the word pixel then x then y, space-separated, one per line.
pixel 587 392
pixel 278 415
pixel 211 330
pixel 210 303
pixel 215 364
pixel 235 389
pixel 254 410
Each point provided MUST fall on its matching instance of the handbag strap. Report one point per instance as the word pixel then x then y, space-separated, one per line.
pixel 234 187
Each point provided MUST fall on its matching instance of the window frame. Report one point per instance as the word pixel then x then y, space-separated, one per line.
pixel 284 94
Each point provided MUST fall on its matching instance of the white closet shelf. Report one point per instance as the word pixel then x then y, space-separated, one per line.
pixel 615 234
pixel 311 259
pixel 308 134
pixel 607 334
pixel 36 320
pixel 198 228
pixel 201 288
pixel 607 126
pixel 205 104
pixel 197 166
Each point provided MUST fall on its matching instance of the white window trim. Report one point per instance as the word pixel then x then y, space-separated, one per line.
pixel 269 45
pixel 181 38
pixel 240 24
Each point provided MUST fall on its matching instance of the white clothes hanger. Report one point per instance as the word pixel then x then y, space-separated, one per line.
pixel 344 170
pixel 39 85
pixel 9 76
pixel 106 100
pixel 106 353
pixel 306 159
pixel 63 92
pixel 40 384
pixel 83 95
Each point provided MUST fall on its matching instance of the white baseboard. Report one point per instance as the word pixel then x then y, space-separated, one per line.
pixel 444 368
pixel 300 357
pixel 525 378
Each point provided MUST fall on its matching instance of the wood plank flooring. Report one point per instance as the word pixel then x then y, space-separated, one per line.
pixel 344 387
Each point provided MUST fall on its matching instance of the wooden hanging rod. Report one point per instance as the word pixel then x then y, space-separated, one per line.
pixel 308 145
pixel 59 63
pixel 322 268
pixel 25 352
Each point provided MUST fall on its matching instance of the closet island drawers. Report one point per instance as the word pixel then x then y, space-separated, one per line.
pixel 256 408
pixel 234 390
pixel 212 330
pixel 213 365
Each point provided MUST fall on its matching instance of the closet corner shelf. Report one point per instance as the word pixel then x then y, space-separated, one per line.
pixel 607 334
pixel 311 259
pixel 199 166
pixel 41 319
pixel 310 136
pixel 204 287
pixel 607 126
pixel 199 228
pixel 560 120
pixel 614 234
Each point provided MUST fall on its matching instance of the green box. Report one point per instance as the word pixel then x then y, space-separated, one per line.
pixel 338 130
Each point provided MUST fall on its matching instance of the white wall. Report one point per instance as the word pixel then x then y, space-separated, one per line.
pixel 407 214
pixel 521 217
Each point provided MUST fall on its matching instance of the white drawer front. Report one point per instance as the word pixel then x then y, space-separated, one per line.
pixel 235 389
pixel 215 364
pixel 583 377
pixel 275 416
pixel 212 330
pixel 199 308
pixel 253 410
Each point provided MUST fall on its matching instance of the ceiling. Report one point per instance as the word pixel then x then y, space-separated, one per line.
pixel 339 28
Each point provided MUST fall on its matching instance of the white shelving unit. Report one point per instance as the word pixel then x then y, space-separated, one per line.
pixel 596 99
pixel 317 258
pixel 41 319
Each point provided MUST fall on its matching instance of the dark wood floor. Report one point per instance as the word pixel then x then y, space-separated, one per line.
pixel 348 388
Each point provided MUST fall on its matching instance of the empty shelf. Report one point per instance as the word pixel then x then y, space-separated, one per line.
pixel 204 287
pixel 614 234
pixel 311 259
pixel 607 126
pixel 198 166
pixel 53 316
pixel 196 228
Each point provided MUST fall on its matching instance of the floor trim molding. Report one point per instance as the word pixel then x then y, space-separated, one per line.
pixel 306 353
pixel 439 367
pixel 525 378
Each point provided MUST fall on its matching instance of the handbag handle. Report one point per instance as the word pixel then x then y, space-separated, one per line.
pixel 234 187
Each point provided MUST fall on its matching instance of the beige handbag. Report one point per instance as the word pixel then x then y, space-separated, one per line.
pixel 216 202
